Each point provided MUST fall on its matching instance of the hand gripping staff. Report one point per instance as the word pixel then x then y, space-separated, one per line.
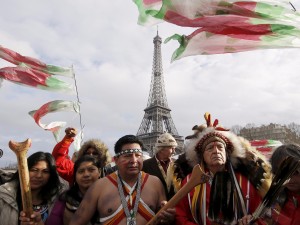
pixel 20 149
pixel 197 177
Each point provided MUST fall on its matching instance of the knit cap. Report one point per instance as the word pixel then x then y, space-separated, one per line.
pixel 165 140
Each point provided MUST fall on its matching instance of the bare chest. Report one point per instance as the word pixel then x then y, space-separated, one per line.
pixel 111 201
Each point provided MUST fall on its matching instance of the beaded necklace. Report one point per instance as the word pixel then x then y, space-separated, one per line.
pixel 131 216
pixel 42 209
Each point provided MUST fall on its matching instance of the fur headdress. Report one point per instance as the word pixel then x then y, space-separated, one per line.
pixel 103 152
pixel 241 154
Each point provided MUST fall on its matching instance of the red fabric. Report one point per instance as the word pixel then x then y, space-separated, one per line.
pixel 25 76
pixel 16 58
pixel 206 21
pixel 251 32
pixel 290 213
pixel 165 165
pixel 256 143
pixel 64 164
pixel 183 211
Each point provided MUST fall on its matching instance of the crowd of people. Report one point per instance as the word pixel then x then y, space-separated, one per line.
pixel 84 189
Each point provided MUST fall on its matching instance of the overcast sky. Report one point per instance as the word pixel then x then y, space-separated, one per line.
pixel 112 57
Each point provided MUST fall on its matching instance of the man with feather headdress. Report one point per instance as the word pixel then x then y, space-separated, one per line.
pixel 239 177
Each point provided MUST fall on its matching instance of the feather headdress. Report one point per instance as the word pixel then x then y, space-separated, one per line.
pixel 241 154
pixel 227 203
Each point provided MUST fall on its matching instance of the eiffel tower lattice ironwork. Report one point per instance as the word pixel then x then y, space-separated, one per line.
pixel 157 118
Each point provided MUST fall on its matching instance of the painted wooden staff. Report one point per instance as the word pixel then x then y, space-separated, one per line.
pixel 197 177
pixel 20 149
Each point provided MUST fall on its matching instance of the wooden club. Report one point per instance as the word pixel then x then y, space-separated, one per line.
pixel 197 177
pixel 20 149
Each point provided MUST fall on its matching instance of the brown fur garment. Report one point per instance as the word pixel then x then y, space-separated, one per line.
pixel 100 147
pixel 256 167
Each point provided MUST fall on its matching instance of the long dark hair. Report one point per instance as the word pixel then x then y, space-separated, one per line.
pixel 53 185
pixel 277 157
pixel 73 195
pixel 281 153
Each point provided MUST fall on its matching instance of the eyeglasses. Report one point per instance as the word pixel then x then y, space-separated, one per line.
pixel 91 153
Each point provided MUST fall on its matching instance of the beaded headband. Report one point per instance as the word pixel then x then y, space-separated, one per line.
pixel 129 151
pixel 214 135
pixel 211 137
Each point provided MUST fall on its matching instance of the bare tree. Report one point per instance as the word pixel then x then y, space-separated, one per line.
pixel 249 125
pixel 236 129
pixel 295 128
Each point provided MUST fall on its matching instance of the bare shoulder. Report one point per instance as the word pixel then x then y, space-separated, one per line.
pixel 106 187
pixel 153 193
pixel 101 184
pixel 153 180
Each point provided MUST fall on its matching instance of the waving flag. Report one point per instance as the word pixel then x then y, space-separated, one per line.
pixel 34 78
pixel 146 8
pixel 266 146
pixel 34 73
pixel 219 40
pixel 203 13
pixel 225 26
pixel 51 107
pixel 17 59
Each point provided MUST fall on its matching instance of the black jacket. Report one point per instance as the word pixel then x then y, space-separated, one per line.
pixel 150 166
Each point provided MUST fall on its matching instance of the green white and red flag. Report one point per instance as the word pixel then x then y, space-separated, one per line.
pixel 266 146
pixel 200 13
pixel 225 25
pixel 220 40
pixel 52 107
pixel 34 73
pixel 147 11
pixel 18 59
pixel 35 78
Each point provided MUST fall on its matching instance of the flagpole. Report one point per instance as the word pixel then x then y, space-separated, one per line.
pixel 78 103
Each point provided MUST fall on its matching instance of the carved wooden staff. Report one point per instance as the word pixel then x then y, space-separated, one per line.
pixel 20 149
pixel 197 177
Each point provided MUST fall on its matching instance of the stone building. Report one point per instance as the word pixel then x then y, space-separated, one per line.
pixel 282 133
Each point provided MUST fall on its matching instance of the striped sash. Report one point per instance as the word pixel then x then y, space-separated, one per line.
pixel 197 201
pixel 142 209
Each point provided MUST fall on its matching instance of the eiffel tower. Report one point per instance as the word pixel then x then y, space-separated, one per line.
pixel 157 118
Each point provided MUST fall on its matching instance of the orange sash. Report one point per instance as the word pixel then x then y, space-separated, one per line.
pixel 141 209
